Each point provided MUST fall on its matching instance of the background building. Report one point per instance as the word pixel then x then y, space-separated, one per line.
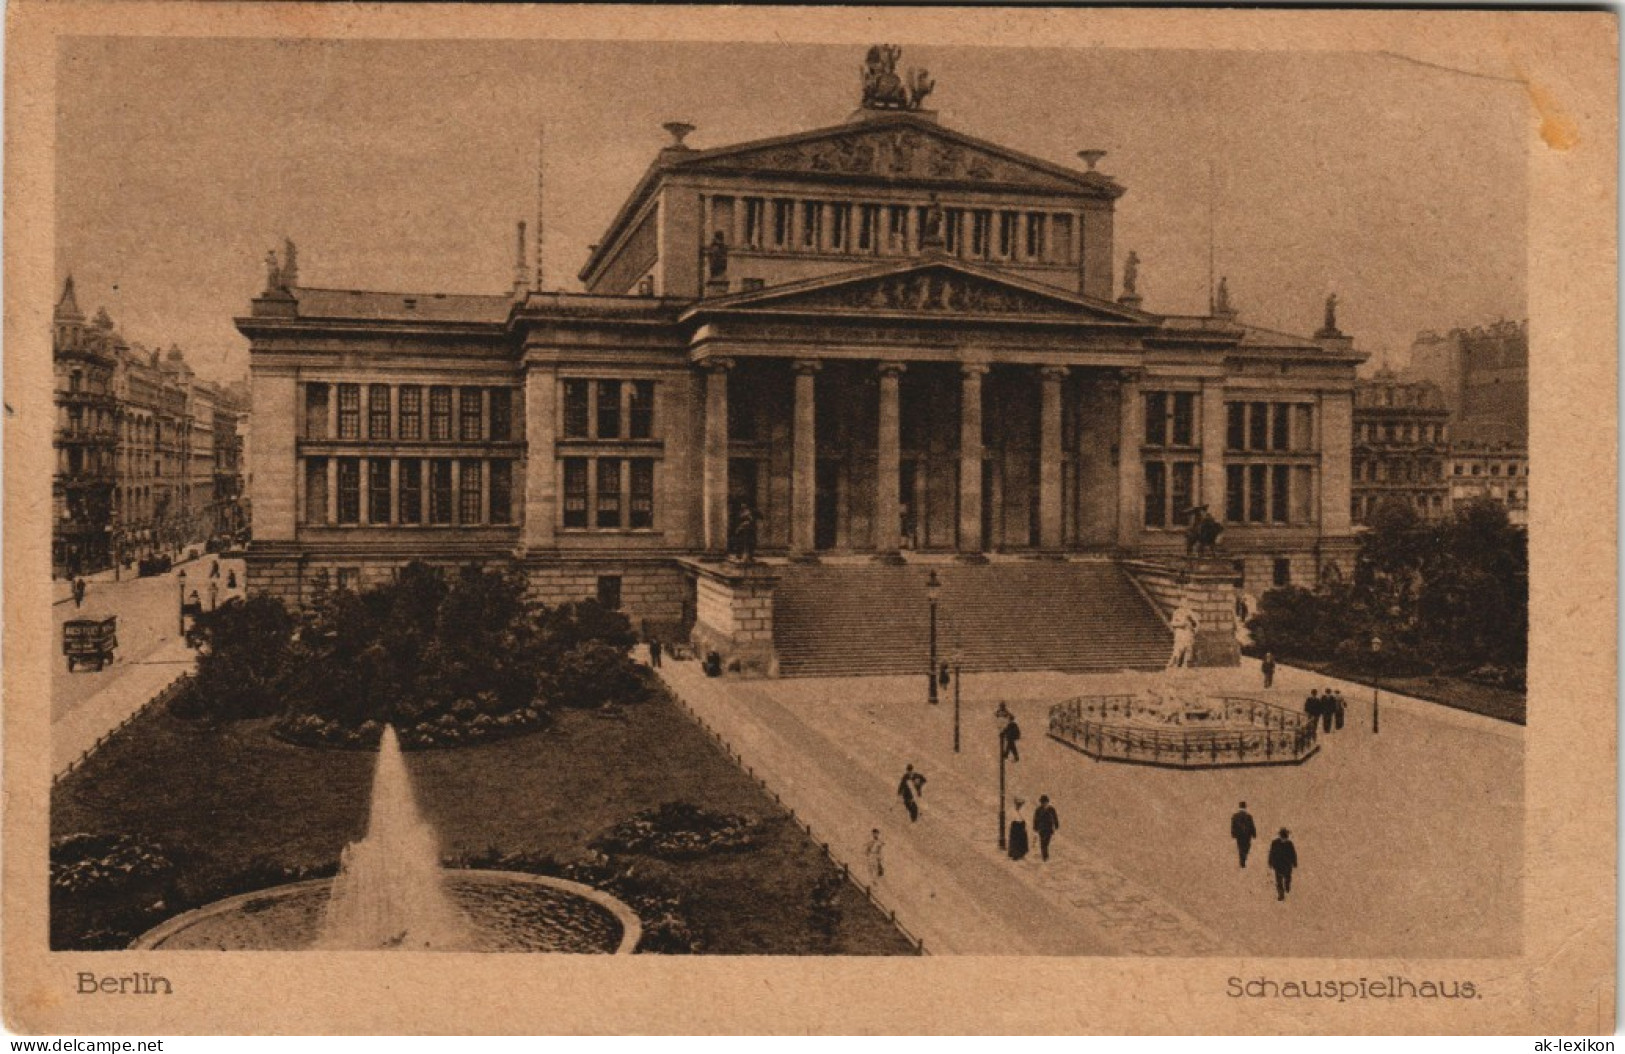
pixel 139 469
pixel 885 339
pixel 1494 472
pixel 1483 374
pixel 1401 447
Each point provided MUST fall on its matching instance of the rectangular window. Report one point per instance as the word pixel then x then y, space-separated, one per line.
pixel 575 492
pixel 642 410
pixel 501 414
pixel 868 227
pixel 1280 493
pixel 897 228
pixel 349 490
pixel 349 579
pixel 502 492
pixel 754 211
pixel 439 414
pixel 609 492
pixel 411 411
pixel 981 233
pixel 378 411
pixel 609 592
pixel 1283 571
pixel 1061 250
pixel 1184 418
pixel 1007 234
pixel 349 411
pixel 643 493
pixel 952 222
pixel 1156 494
pixel 812 224
pixel 609 409
pixel 471 423
pixel 840 227
pixel 468 493
pixel 783 210
pixel 316 490
pixel 1235 432
pixel 1235 493
pixel 315 411
pixel 1259 432
pixel 1303 420
pixel 1257 493
pixel 1302 512
pixel 411 490
pixel 1281 425
pixel 440 491
pixel 1035 235
pixel 1184 490
pixel 1156 418
pixel 378 490
pixel 576 416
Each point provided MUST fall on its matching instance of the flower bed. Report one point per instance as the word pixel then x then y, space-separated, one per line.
pixel 679 831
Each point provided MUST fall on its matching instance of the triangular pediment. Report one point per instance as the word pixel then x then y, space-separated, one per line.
pixel 931 288
pixel 900 147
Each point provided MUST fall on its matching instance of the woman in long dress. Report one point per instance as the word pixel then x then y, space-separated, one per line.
pixel 1018 832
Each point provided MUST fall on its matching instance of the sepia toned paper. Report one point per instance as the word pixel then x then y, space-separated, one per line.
pixel 1514 218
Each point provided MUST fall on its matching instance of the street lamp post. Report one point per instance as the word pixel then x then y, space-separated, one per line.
pixel 1376 684
pixel 1004 715
pixel 181 619
pixel 933 586
pixel 957 667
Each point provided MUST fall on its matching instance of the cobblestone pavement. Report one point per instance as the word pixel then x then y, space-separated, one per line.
pixel 1143 864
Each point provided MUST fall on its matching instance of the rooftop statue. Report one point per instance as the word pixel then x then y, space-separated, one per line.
pixel 883 89
pixel 1131 274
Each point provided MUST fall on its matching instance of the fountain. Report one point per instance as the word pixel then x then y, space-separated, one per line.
pixel 390 891
pixel 392 894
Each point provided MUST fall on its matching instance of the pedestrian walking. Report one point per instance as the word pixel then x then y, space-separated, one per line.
pixel 79 590
pixel 231 579
pixel 909 788
pixel 1045 822
pixel 1328 709
pixel 1268 668
pixel 214 594
pixel 1243 831
pixel 214 569
pixel 654 652
pixel 874 855
pixel 1018 832
pixel 1339 709
pixel 1312 708
pixel 1283 859
pixel 1010 735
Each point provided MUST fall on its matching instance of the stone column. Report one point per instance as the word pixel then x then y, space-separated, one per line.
pixel 332 411
pixel 804 461
pixel 715 471
pixel 332 491
pixel 394 490
pixel 1130 473
pixel 888 447
pixel 541 509
pixel 1212 440
pixel 970 458
pixel 1049 456
pixel 363 492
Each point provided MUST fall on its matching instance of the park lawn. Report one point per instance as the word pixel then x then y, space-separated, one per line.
pixel 1503 704
pixel 234 800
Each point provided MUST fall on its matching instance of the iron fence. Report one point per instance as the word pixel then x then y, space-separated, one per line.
pixel 1233 730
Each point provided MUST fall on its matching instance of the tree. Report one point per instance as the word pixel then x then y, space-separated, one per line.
pixel 245 656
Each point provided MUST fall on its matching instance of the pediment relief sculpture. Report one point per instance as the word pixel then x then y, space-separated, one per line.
pixel 934 292
pixel 896 152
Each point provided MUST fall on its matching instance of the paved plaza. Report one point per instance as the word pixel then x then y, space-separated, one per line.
pixel 1409 840
pixel 87 704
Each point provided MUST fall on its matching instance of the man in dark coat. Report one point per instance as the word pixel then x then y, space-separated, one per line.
pixel 1045 823
pixel 1243 831
pixel 654 652
pixel 1339 709
pixel 1267 667
pixel 1283 859
pixel 1010 735
pixel 908 788
pixel 1328 709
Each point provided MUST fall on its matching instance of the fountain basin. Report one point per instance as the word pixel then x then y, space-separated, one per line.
pixel 506 911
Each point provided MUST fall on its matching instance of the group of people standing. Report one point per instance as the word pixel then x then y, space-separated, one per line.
pixel 1328 707
pixel 1283 857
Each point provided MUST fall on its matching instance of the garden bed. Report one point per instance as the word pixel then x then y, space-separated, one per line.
pixel 1503 704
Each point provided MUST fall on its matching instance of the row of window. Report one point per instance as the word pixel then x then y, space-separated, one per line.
pixel 1494 469
pixel 1396 432
pixel 1375 471
pixel 609 409
pixel 1171 421
pixel 396 412
pixel 609 492
pixel 1258 493
pixel 847 227
pixel 433 491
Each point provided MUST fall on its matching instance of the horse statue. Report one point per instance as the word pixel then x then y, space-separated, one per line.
pixel 1202 536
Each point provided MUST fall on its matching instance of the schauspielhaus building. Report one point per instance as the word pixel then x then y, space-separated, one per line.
pixel 886 360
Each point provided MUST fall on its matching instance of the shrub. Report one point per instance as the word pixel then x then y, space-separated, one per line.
pixel 245 657
pixel 104 863
pixel 679 831
pixel 593 674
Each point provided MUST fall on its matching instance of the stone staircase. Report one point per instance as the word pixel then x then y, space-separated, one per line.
pixel 831 621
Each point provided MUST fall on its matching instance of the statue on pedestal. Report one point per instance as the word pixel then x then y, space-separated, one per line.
pixel 1131 275
pixel 716 256
pixel 1330 328
pixel 931 226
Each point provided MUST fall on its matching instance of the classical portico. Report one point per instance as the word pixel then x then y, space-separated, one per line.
pixel 925 407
